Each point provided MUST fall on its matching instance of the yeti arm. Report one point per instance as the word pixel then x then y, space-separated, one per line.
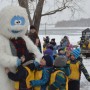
pixel 32 48
pixel 6 60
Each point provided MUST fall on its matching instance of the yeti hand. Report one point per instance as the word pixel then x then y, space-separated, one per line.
pixel 7 70
pixel 22 58
pixel 18 62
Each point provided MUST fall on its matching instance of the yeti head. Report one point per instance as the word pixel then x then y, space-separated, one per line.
pixel 13 21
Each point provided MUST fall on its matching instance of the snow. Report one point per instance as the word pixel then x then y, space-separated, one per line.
pixel 85 85
pixel 4 3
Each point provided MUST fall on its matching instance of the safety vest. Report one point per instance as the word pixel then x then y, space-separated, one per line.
pixel 84 46
pixel 89 45
pixel 44 48
pixel 53 76
pixel 38 76
pixel 29 78
pixel 74 68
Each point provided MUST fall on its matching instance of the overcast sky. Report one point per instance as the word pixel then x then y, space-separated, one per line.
pixel 65 15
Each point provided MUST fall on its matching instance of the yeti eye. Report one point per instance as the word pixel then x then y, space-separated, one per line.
pixel 18 22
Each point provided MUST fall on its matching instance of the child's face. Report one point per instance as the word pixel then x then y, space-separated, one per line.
pixel 32 30
pixel 68 54
pixel 62 52
pixel 72 57
pixel 42 62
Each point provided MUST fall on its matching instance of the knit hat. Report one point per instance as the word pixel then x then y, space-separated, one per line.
pixel 53 39
pixel 32 27
pixel 76 52
pixel 50 46
pixel 61 49
pixel 48 52
pixel 49 60
pixel 60 61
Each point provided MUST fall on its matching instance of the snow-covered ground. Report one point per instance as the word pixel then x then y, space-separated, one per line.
pixel 85 85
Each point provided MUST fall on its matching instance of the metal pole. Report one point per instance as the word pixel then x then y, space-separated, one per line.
pixel 45 29
pixel 36 2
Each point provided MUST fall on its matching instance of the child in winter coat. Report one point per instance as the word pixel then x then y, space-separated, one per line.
pixel 58 79
pixel 64 42
pixel 68 53
pixel 76 66
pixel 49 52
pixel 61 52
pixel 42 73
pixel 24 74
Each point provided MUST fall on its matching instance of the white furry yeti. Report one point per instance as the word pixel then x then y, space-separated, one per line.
pixel 13 25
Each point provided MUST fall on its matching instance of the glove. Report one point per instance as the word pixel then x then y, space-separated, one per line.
pixel 88 79
pixel 18 62
pixel 51 87
pixel 36 64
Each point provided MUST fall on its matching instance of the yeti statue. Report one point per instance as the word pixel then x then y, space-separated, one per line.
pixel 13 26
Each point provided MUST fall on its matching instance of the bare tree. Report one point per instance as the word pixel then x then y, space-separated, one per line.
pixel 60 5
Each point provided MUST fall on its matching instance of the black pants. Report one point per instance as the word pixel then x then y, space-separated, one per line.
pixel 74 85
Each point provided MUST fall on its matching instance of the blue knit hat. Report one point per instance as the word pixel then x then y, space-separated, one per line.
pixel 49 60
pixel 48 52
pixel 76 52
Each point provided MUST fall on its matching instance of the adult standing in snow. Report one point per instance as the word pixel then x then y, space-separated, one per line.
pixel 46 42
pixel 64 43
pixel 54 45
pixel 34 37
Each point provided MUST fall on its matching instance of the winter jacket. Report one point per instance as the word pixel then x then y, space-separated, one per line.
pixel 69 47
pixel 22 77
pixel 54 45
pixel 80 59
pixel 63 45
pixel 43 82
pixel 33 37
pixel 80 68
pixel 58 80
pixel 55 50
pixel 21 49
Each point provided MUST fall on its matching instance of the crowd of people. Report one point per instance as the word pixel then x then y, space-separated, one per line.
pixel 59 69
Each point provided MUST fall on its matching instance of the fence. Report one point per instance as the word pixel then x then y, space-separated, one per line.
pixel 50 29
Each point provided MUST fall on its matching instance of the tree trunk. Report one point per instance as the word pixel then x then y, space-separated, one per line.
pixel 37 14
pixel 24 4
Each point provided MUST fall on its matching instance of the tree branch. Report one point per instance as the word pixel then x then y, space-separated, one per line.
pixel 55 11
